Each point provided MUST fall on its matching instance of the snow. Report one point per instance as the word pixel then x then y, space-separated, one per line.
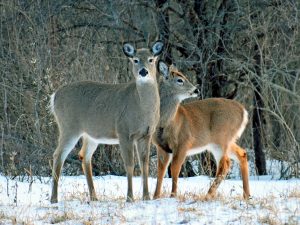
pixel 273 202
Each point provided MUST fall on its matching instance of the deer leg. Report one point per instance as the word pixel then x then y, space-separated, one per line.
pixel 176 165
pixel 127 153
pixel 143 149
pixel 88 152
pixel 242 157
pixel 163 160
pixel 83 149
pixel 223 168
pixel 64 147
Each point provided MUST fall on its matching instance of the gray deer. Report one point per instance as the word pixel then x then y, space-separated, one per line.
pixel 124 114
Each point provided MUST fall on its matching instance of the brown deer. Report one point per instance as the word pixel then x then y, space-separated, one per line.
pixel 125 114
pixel 191 128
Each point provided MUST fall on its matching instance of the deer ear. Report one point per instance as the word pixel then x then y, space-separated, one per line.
pixel 129 50
pixel 163 69
pixel 173 67
pixel 157 48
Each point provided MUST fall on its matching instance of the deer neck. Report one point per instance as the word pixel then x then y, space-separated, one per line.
pixel 169 104
pixel 148 97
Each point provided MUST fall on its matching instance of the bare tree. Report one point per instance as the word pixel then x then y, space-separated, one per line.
pixel 246 50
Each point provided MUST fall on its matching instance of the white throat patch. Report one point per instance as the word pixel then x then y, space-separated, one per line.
pixel 146 79
pixel 185 96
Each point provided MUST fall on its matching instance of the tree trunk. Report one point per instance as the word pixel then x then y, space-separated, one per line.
pixel 257 120
pixel 163 26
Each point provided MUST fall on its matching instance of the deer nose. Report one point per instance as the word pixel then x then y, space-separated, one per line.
pixel 143 72
pixel 196 91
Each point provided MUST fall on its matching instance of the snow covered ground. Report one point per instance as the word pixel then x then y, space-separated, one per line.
pixel 273 202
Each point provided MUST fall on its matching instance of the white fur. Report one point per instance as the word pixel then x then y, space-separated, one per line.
pixel 214 149
pixel 103 140
pixel 90 148
pixel 243 125
pixel 68 147
pixel 169 161
pixel 170 158
pixel 129 49
pixel 185 96
pixel 217 152
pixel 51 103
pixel 146 79
pixel 211 147
pixel 201 149
pixel 157 47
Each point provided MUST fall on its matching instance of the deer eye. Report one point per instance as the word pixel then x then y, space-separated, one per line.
pixel 179 81
pixel 150 60
pixel 136 61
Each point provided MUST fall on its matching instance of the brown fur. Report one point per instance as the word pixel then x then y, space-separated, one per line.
pixel 196 124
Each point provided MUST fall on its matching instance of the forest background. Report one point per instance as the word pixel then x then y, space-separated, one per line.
pixel 238 49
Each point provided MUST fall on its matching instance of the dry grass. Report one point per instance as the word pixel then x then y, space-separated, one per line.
pixel 189 206
pixel 75 206
pixel 201 197
pixel 87 222
pixel 82 197
pixel 12 219
pixel 2 215
pixel 8 219
pixel 267 203
pixel 62 218
pixel 295 193
pixel 268 219
pixel 273 212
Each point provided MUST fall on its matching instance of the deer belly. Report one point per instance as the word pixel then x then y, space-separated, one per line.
pixel 103 140
pixel 209 147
